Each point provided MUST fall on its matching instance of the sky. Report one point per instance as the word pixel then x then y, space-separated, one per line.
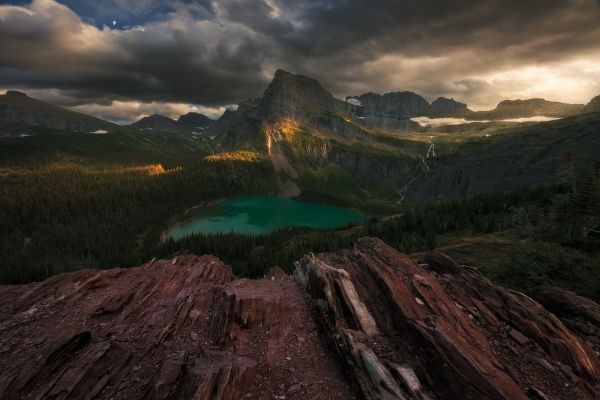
pixel 124 59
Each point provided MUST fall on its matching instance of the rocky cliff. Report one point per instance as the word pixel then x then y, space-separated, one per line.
pixel 290 100
pixel 18 108
pixel 395 105
pixel 444 108
pixel 296 97
pixel 186 328
pixel 398 106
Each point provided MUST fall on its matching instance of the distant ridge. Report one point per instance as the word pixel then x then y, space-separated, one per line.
pixel 406 105
pixel 194 120
pixel 156 122
pixel 18 108
pixel 593 105
pixel 188 123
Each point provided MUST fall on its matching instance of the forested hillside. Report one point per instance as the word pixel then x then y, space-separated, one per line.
pixel 63 216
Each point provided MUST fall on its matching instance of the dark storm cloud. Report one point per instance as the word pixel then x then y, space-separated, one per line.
pixel 217 53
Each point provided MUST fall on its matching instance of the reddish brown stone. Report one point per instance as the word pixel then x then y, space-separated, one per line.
pixel 405 333
pixel 181 328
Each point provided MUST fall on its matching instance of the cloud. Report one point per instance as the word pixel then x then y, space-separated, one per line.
pixel 216 53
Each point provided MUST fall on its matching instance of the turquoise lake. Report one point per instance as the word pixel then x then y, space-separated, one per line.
pixel 257 215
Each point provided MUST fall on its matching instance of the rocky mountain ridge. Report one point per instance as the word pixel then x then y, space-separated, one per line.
pixel 187 328
pixel 406 105
pixel 190 122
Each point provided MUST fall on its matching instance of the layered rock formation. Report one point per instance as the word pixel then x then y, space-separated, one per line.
pixel 182 328
pixel 441 331
pixel 395 105
pixel 18 108
pixel 579 314
pixel 186 328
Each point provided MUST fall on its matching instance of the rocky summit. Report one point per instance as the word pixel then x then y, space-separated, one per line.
pixel 367 322
pixel 295 96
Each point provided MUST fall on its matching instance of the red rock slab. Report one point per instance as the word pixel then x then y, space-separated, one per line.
pixel 183 328
pixel 406 331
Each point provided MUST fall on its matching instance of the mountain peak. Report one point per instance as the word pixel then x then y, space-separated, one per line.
pixel 296 96
pixel 156 122
pixel 157 117
pixel 194 120
pixel 444 107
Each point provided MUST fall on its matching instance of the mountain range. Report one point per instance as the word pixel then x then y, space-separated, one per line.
pixel 388 112
pixel 406 105
pixel 190 122
pixel 364 149
pixel 19 112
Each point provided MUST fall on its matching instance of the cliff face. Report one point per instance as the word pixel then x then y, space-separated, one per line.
pixel 405 105
pixel 186 328
pixel 289 98
pixel 443 108
pixel 18 108
pixel 396 105
pixel 297 97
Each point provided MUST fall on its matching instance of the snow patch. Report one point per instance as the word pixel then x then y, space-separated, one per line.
pixel 100 132
pixel 426 121
pixel 355 102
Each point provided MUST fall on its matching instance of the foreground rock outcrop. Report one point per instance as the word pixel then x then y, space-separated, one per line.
pixel 382 327
pixel 442 331
pixel 180 329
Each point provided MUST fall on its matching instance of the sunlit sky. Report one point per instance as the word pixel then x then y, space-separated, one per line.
pixel 124 59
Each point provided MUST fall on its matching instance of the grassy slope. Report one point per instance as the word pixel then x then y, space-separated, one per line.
pixel 41 107
pixel 473 162
pixel 121 146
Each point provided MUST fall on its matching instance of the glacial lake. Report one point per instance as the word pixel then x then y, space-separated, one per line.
pixel 258 215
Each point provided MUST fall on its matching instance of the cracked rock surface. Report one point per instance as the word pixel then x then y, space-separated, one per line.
pixel 366 322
